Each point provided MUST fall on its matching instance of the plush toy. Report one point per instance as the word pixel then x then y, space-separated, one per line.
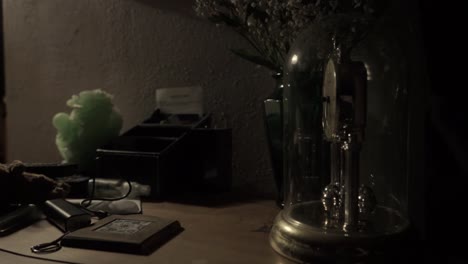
pixel 21 187
pixel 93 122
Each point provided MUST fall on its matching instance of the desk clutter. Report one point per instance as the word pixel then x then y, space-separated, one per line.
pixel 163 157
pixel 134 234
pixel 172 154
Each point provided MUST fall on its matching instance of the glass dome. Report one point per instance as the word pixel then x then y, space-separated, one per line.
pixel 345 131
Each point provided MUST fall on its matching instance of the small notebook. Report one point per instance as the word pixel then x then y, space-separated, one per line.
pixel 135 234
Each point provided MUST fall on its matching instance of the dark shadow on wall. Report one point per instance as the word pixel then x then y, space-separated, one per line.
pixel 2 92
pixel 446 154
pixel 183 7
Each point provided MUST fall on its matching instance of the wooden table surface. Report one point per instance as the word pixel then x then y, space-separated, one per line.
pixel 232 233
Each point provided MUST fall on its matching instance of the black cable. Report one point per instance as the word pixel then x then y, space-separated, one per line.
pixel 34 257
pixel 49 247
pixel 91 198
pixel 87 202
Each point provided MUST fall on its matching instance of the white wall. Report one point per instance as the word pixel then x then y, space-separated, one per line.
pixel 56 48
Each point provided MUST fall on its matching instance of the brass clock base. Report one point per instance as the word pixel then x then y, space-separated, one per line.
pixel 304 241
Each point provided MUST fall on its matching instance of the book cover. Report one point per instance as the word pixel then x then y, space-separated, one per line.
pixel 135 234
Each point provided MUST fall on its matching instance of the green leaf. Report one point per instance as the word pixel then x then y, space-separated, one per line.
pixel 255 59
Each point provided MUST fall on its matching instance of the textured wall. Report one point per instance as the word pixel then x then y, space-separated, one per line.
pixel 56 48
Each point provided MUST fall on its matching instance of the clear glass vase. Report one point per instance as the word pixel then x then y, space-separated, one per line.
pixel 345 111
pixel 273 117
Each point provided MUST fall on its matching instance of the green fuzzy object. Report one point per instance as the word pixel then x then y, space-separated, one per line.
pixel 93 122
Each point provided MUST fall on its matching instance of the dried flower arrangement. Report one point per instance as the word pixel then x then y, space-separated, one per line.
pixel 271 26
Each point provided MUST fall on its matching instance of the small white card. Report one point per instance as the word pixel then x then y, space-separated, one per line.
pixel 180 100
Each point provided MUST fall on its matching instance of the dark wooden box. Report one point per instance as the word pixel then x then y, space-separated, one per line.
pixel 174 154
